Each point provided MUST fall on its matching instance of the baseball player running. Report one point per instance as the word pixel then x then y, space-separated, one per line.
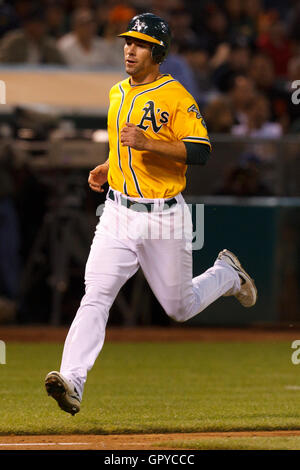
pixel 155 130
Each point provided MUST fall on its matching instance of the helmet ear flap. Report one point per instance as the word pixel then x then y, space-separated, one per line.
pixel 158 54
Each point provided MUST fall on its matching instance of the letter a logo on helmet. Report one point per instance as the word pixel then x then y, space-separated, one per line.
pixel 153 29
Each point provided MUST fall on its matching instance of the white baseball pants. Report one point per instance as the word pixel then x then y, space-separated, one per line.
pixel 160 243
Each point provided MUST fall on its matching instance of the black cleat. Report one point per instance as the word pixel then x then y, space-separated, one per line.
pixel 63 392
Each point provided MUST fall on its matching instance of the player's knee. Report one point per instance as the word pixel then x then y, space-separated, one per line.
pixel 177 313
pixel 178 319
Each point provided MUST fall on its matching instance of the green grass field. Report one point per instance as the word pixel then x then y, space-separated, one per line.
pixel 155 387
pixel 241 443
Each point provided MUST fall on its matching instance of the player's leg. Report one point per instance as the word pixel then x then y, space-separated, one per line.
pixel 168 270
pixel 110 264
pixel 168 267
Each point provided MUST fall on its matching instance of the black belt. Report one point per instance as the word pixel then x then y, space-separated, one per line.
pixel 141 206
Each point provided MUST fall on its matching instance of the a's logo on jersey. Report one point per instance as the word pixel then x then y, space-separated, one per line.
pixel 194 109
pixel 150 116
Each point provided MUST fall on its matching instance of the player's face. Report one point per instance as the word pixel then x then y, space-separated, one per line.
pixel 137 56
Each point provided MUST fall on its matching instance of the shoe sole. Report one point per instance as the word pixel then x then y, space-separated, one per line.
pixel 56 389
pixel 251 284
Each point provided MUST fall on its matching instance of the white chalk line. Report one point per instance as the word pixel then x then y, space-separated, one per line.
pixel 44 444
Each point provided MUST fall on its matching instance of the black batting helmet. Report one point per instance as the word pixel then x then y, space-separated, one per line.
pixel 152 29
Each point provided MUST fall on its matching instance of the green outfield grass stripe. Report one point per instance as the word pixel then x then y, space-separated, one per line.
pixel 156 388
pixel 227 443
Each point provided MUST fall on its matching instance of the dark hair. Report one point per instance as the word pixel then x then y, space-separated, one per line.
pixel 35 15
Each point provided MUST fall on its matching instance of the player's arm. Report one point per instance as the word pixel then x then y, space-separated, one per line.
pixel 188 152
pixel 197 153
pixel 98 176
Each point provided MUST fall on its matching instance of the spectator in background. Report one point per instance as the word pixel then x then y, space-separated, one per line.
pixel 252 11
pixel 277 46
pixel 162 8
pixel 30 45
pixel 265 19
pixel 23 8
pixel 258 122
pixel 55 19
pixel 117 22
pixel 262 72
pixel 293 21
pixel 219 116
pixel 83 4
pixel 215 30
pixel 180 19
pixel 293 71
pixel 235 18
pixel 197 57
pixel 240 95
pixel 81 47
pixel 101 16
pixel 8 19
pixel 236 63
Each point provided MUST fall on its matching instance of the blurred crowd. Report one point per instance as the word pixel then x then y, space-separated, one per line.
pixel 238 58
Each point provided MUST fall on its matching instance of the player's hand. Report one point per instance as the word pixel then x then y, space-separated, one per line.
pixel 97 177
pixel 133 136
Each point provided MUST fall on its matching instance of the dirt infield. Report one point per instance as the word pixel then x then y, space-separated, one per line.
pixel 155 334
pixel 121 442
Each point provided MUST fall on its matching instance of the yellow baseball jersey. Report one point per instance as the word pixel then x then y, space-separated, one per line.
pixel 164 110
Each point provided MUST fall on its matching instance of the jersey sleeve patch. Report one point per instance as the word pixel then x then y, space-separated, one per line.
pixel 193 109
pixel 188 124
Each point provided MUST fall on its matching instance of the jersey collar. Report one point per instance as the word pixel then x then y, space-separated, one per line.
pixel 149 83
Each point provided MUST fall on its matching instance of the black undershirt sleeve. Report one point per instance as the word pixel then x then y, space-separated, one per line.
pixel 196 154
